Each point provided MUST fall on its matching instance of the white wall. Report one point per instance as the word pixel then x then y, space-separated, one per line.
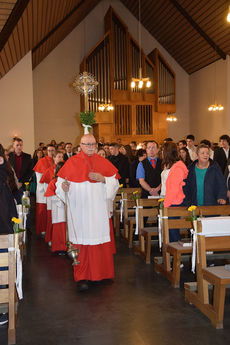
pixel 16 103
pixel 56 105
pixel 206 85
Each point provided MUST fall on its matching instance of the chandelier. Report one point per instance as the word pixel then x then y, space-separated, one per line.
pixel 140 82
pixel 171 118
pixel 215 107
pixel 105 107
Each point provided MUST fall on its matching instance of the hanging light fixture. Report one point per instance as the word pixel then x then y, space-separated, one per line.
pixel 215 107
pixel 140 82
pixel 105 107
pixel 228 16
pixel 171 118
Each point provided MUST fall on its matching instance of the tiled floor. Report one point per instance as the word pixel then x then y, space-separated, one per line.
pixel 139 308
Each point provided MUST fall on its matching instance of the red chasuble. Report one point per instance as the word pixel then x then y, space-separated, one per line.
pixel 96 261
pixel 48 174
pixel 41 213
pixel 43 164
pixel 58 235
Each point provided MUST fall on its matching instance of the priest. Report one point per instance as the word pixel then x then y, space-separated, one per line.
pixel 88 184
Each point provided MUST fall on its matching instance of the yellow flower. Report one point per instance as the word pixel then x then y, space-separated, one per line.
pixel 26 183
pixel 136 192
pixel 160 200
pixel 16 220
pixel 192 208
pixel 121 185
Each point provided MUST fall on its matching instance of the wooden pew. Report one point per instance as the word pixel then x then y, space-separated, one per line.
pixel 174 249
pixel 7 294
pixel 217 276
pixel 149 208
pixel 116 207
pixel 129 218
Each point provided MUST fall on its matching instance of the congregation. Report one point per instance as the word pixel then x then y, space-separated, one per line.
pixel 182 173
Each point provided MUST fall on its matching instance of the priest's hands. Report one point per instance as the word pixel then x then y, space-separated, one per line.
pixel 96 177
pixel 65 186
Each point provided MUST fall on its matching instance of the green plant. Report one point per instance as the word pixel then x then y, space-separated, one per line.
pixel 87 118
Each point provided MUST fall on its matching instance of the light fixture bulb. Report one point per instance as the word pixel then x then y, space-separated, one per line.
pixel 133 84
pixel 228 16
pixel 221 107
pixel 148 84
pixel 210 108
pixel 140 84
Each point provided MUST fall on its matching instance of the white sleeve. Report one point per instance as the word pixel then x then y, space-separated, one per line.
pixel 59 191
pixel 112 186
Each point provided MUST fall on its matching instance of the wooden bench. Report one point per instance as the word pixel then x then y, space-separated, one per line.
pixel 174 249
pixel 7 280
pixel 148 209
pixel 217 276
pixel 129 219
pixel 117 205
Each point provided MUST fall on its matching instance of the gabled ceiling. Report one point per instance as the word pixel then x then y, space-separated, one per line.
pixel 194 32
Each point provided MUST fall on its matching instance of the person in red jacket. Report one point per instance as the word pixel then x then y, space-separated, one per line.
pixel 174 195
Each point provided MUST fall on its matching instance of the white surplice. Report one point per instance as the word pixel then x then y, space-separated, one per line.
pixel 89 206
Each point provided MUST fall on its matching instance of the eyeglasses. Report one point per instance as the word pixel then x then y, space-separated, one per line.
pixel 89 144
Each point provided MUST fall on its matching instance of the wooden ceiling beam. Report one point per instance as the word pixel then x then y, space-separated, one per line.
pixel 12 21
pixel 55 28
pixel 220 52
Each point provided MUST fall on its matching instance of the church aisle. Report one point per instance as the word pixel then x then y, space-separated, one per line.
pixel 139 308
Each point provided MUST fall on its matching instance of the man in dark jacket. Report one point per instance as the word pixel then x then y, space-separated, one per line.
pixel 21 162
pixel 223 153
pixel 120 162
pixel 149 171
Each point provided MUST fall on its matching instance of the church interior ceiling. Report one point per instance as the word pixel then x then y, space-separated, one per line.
pixel 195 33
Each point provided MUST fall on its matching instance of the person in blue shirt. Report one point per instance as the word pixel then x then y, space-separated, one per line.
pixel 149 171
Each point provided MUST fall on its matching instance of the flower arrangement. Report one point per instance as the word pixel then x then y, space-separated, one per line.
pixel 192 209
pixel 16 222
pixel 27 186
pixel 135 195
pixel 161 203
pixel 121 188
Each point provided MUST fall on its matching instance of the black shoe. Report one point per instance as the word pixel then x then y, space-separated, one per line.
pixel 3 319
pixel 61 253
pixel 82 285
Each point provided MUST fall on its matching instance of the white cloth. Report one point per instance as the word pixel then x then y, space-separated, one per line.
pixel 57 209
pixel 19 274
pixel 40 191
pixel 215 226
pixel 87 209
pixel 164 176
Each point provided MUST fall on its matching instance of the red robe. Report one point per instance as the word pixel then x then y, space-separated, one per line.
pixel 58 233
pixel 46 178
pixel 96 261
pixel 41 213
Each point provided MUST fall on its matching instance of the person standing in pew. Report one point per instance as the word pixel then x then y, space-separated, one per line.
pixel 205 184
pixel 172 180
pixel 7 211
pixel 88 184
pixel 149 171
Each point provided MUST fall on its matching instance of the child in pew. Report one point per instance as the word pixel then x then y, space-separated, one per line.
pixel 58 242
